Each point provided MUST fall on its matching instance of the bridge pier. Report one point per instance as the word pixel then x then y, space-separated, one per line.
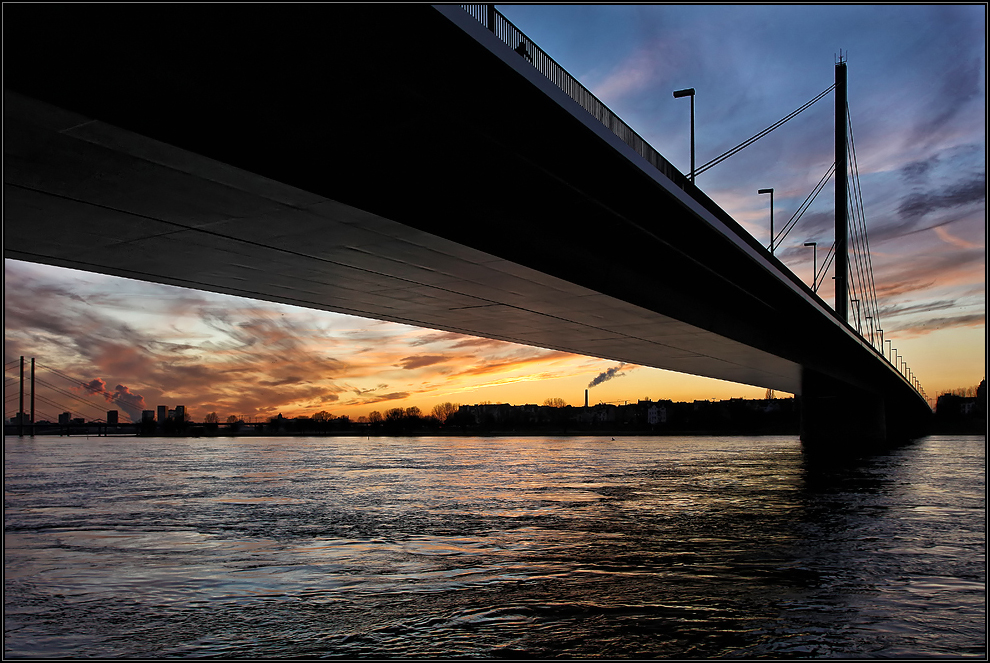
pixel 839 416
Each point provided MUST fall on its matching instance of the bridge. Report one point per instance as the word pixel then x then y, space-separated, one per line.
pixel 403 164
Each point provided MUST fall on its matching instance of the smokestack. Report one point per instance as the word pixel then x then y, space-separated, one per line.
pixel 20 411
pixel 32 397
pixel 586 398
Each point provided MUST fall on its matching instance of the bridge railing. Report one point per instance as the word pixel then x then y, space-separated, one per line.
pixel 513 37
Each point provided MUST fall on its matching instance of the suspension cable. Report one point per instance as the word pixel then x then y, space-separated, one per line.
pixel 725 155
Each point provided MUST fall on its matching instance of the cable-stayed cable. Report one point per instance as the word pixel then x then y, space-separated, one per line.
pixel 746 143
pixel 856 281
pixel 862 259
pixel 112 396
pixel 68 394
pixel 866 237
pixel 804 206
pixel 826 263
pixel 858 256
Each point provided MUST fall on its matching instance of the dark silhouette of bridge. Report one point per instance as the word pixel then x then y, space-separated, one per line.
pixel 405 164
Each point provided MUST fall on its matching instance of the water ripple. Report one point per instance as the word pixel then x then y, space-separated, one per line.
pixel 491 547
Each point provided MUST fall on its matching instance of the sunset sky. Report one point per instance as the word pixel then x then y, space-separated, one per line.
pixel 917 101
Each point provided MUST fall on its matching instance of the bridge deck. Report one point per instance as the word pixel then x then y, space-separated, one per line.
pixel 392 164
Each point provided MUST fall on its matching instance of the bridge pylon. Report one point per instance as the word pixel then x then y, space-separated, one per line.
pixel 841 193
pixel 837 415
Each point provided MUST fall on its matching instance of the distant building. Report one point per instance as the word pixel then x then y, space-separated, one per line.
pixel 180 412
pixel 171 415
pixel 147 415
pixel 162 413
pixel 112 417
pixel 656 414
pixel 606 413
pixel 65 418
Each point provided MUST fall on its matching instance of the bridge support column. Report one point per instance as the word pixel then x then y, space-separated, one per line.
pixel 838 416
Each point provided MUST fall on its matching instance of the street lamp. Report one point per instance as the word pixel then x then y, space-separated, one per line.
pixel 814 265
pixel 770 191
pixel 859 325
pixel 869 325
pixel 689 92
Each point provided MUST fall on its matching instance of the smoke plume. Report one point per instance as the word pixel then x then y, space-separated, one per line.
pixel 122 396
pixel 95 386
pixel 606 375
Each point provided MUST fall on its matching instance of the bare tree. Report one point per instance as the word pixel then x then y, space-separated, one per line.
pixel 211 418
pixel 554 402
pixel 444 411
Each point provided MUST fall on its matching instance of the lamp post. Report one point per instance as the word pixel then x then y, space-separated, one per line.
pixel 770 191
pixel 869 326
pixel 689 92
pixel 859 326
pixel 814 265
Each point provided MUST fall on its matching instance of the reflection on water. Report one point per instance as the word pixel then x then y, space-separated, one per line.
pixel 505 547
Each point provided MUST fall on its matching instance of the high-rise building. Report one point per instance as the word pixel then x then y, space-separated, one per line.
pixel 180 413
pixel 147 415
pixel 65 418
pixel 162 413
pixel 112 417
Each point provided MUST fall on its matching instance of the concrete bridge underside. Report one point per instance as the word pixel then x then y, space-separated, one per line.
pixel 395 163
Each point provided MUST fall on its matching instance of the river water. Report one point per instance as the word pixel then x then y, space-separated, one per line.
pixel 491 547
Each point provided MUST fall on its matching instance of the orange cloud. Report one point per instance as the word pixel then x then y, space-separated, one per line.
pixel 944 234
pixel 421 361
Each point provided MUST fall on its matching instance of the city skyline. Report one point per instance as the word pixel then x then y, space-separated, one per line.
pixel 918 114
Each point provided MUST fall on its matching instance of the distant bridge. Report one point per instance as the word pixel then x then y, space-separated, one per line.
pixel 401 163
